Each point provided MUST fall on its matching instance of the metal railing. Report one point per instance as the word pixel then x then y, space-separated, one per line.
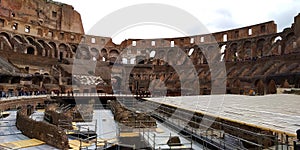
pixel 181 119
pixel 97 95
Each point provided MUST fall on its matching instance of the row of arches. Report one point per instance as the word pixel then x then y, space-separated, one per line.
pixel 261 86
pixel 277 44
pixel 39 47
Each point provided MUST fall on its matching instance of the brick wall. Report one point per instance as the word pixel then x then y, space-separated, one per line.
pixel 43 131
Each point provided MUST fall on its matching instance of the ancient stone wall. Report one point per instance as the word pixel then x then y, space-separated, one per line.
pixel 41 16
pixel 14 104
pixel 43 131
pixel 59 119
pixel 130 118
pixel 249 52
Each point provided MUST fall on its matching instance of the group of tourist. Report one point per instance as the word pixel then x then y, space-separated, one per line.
pixel 7 94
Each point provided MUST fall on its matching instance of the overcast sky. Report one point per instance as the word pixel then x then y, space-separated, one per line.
pixel 216 15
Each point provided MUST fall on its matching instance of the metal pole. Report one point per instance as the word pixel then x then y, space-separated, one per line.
pixel 287 142
pixel 276 141
pixel 79 138
pixel 154 141
pixel 96 134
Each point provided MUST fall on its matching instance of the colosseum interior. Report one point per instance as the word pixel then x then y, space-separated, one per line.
pixel 41 41
pixel 44 50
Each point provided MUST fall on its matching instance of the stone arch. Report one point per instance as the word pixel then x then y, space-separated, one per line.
pixel 290 44
pixel 222 51
pixel 18 38
pixel 5 43
pixel 276 46
pixel 35 80
pixel 53 50
pixel 172 56
pixel 247 50
pixel 232 54
pixel 47 80
pixel 69 51
pixel 194 54
pixel 17 42
pixel 113 55
pixel 276 39
pixel 161 54
pixel 83 53
pixel 95 53
pixel 285 84
pixel 272 89
pixel 30 50
pixel 290 36
pixel 74 48
pixel 47 48
pixel 5 34
pixel 104 54
pixel 260 47
pixel 39 47
pixel 260 88
pixel 152 54
pixel 124 61
pixel 30 39
pixel 64 51
pixel 132 60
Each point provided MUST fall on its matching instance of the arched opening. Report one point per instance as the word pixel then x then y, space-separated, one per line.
pixel 46 52
pixel 247 50
pixel 36 81
pixel 18 38
pixel 272 89
pixel 62 51
pixel 124 61
pixel 152 54
pixel 47 80
pixel 233 52
pixel 74 48
pixel 95 53
pixel 30 40
pixel 39 47
pixel 30 50
pixel 290 36
pixel 5 43
pixel 276 39
pixel 113 53
pixel 260 88
pixel 223 52
pixel 285 84
pixel 132 61
pixel 5 35
pixel 104 54
pixel 191 51
pixel 160 54
pixel 53 52
pixel 85 53
pixel 260 47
